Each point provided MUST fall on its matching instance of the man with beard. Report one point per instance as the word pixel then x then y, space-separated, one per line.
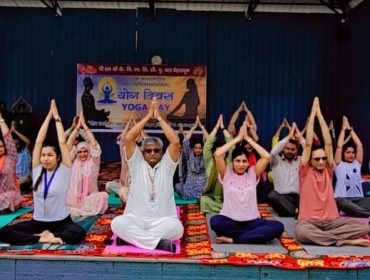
pixel 284 198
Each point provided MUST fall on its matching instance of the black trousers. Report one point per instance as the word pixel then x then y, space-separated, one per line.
pixel 24 232
pixel 284 204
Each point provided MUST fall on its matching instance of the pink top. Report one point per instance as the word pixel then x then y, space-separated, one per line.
pixel 240 198
pixel 317 198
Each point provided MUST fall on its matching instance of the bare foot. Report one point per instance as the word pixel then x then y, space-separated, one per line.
pixel 223 239
pixel 357 242
pixel 43 234
pixel 50 238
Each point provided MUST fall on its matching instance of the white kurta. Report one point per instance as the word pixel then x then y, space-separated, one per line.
pixel 150 213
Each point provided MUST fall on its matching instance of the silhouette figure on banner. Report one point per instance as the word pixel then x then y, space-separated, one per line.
pixel 190 100
pixel 88 105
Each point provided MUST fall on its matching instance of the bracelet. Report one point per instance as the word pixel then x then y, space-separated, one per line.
pixel 159 119
pixel 2 120
pixel 223 129
pixel 57 120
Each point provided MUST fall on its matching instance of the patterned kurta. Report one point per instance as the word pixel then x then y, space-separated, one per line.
pixel 10 195
pixel 196 177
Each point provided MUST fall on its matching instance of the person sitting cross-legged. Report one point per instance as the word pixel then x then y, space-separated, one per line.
pixel 150 220
pixel 348 193
pixel 319 221
pixel 284 198
pixel 239 220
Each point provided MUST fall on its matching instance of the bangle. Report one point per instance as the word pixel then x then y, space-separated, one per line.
pixel 57 120
pixel 159 119
pixel 2 120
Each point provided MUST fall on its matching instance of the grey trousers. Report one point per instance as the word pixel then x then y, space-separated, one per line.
pixel 330 232
pixel 354 206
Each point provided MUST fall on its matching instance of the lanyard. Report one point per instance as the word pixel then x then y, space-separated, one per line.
pixel 47 184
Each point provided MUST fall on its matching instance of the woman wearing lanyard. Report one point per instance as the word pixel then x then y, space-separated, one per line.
pixel 51 222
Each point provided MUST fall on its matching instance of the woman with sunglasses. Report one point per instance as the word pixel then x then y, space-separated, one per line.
pixel 319 221
pixel 348 188
pixel 84 198
pixel 239 220
pixel 51 171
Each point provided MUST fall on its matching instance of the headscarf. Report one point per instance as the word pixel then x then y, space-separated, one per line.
pixel 81 178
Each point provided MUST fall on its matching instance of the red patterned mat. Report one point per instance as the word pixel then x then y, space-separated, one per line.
pixel 195 244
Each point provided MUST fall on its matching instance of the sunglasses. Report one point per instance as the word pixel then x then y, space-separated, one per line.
pixel 149 151
pixel 320 158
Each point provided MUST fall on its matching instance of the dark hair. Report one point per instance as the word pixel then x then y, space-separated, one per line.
pixel 239 150
pixel 316 147
pixel 294 142
pixel 196 141
pixel 43 170
pixel 348 145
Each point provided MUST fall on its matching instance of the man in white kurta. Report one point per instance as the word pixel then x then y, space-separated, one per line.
pixel 150 218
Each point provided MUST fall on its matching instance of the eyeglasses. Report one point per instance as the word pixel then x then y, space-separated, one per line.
pixel 149 151
pixel 320 158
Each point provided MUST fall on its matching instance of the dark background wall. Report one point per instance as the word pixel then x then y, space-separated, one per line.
pixel 277 63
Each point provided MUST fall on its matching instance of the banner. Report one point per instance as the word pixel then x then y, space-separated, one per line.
pixel 109 94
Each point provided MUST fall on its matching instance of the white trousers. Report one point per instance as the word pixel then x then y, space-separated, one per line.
pixel 146 232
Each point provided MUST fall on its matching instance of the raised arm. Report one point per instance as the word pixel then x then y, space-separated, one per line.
pixel 171 135
pixel 231 127
pixel 21 136
pixel 358 143
pixel 190 132
pixel 204 130
pixel 221 151
pixel 326 135
pixel 338 151
pixel 215 128
pixel 73 135
pixel 225 132
pixel 66 156
pixel 90 136
pixel 133 133
pixel 251 119
pixel 265 155
pixel 40 139
pixel 3 126
pixel 309 134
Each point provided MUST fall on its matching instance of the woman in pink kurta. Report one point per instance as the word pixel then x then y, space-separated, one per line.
pixel 10 196
pixel 84 198
pixel 319 221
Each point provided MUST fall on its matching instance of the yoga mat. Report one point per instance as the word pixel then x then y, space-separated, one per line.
pixel 289 225
pixel 8 218
pixel 273 247
pixel 180 201
pixel 135 250
pixel 88 222
pixel 114 200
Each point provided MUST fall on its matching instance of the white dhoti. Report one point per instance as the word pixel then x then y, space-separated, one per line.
pixel 146 232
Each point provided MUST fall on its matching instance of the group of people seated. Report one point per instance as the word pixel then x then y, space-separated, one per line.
pixel 224 180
